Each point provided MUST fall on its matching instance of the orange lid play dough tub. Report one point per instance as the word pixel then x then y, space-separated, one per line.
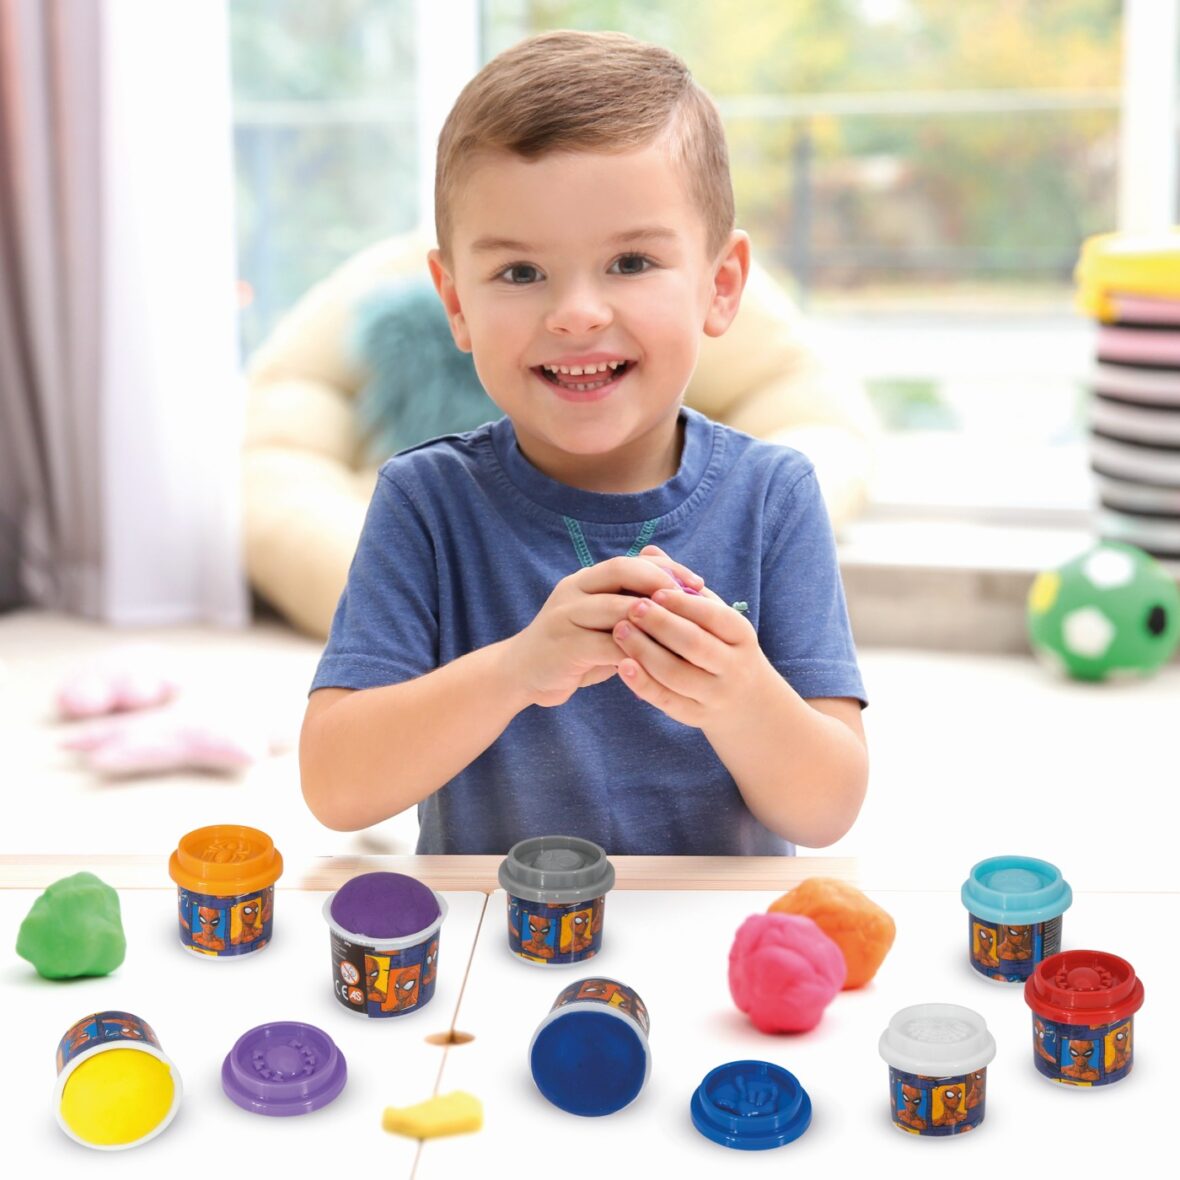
pixel 225 876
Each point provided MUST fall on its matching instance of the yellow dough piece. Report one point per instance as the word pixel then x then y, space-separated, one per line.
pixel 448 1114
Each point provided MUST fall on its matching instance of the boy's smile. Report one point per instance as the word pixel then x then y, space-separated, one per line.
pixel 581 284
pixel 579 378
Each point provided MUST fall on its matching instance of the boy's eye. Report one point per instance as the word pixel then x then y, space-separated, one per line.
pixel 520 274
pixel 631 264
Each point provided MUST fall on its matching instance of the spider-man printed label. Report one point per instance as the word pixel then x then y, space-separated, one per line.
pixel 380 983
pixel 923 1105
pixel 555 934
pixel 1009 954
pixel 610 992
pixel 103 1028
pixel 1078 1055
pixel 222 927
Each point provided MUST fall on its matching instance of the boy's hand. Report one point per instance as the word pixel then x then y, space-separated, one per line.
pixel 692 656
pixel 570 645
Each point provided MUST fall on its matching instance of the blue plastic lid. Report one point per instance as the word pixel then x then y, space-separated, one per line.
pixel 750 1105
pixel 589 1061
pixel 1017 890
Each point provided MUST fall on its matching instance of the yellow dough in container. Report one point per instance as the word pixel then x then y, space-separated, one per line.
pixel 117 1098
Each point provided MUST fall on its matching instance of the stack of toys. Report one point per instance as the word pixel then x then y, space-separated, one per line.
pixel 1130 285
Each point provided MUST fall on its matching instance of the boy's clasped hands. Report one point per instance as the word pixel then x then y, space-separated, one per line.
pixel 690 655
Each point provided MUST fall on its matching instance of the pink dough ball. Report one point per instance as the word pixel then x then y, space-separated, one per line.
pixel 784 971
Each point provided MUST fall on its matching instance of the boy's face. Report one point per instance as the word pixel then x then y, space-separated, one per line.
pixel 587 259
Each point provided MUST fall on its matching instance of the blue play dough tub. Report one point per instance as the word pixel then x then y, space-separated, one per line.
pixel 590 1056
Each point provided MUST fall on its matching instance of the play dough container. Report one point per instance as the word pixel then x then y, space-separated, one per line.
pixel 115 1088
pixel 937 1056
pixel 225 877
pixel 384 938
pixel 1014 907
pixel 556 888
pixel 1083 1006
pixel 590 1056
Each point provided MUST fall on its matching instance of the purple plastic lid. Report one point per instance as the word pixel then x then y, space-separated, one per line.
pixel 384 905
pixel 283 1068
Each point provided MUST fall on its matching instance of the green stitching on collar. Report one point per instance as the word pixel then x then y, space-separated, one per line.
pixel 583 550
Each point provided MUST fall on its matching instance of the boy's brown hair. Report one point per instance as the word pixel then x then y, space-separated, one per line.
pixel 574 91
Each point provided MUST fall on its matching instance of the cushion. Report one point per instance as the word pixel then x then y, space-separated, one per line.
pixel 418 384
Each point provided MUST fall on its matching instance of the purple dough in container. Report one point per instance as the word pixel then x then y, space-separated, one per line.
pixel 384 938
pixel 384 905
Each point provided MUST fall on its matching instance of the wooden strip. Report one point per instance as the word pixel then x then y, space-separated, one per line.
pixel 631 872
pixel 120 872
pixel 448 873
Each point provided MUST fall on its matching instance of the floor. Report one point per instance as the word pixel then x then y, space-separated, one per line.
pixel 972 756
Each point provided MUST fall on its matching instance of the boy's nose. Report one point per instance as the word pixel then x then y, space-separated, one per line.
pixel 577 310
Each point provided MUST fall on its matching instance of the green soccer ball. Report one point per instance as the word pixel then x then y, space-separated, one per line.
pixel 1114 611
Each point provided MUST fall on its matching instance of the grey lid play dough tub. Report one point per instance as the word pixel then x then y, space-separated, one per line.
pixel 556 888
pixel 556 869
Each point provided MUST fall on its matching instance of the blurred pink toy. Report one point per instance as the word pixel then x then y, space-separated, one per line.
pixel 168 741
pixel 121 680
pixel 784 971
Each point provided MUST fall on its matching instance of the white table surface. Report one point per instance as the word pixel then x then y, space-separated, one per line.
pixel 672 948
pixel 198 1009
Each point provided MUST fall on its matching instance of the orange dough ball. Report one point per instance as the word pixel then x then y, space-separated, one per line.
pixel 859 927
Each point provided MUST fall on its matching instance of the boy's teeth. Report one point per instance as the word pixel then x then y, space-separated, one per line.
pixel 582 370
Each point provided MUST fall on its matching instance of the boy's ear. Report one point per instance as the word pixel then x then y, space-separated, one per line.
pixel 444 284
pixel 728 282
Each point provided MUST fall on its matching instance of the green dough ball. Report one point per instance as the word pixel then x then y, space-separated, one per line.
pixel 1112 611
pixel 73 929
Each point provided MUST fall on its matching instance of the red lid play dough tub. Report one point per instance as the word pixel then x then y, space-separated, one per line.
pixel 1083 1004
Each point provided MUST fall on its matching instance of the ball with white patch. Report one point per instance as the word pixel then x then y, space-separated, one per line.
pixel 1112 611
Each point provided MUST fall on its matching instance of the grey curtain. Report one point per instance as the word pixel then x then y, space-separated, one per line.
pixel 50 328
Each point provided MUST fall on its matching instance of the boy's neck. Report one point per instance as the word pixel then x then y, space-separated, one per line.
pixel 629 470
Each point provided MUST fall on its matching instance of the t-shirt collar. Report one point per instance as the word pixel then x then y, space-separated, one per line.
pixel 606 507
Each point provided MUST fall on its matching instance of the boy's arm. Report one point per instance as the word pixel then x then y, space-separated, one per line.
pixel 367 755
pixel 801 766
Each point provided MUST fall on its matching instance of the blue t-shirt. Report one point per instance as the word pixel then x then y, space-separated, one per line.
pixel 463 542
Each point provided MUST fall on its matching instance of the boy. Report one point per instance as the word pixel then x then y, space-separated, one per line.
pixel 585 226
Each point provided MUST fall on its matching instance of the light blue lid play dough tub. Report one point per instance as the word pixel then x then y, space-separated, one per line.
pixel 1014 906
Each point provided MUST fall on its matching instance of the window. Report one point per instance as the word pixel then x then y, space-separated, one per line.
pixel 326 141
pixel 920 174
